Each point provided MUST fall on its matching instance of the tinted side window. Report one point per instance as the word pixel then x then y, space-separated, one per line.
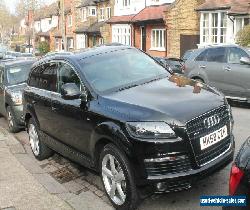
pixel 44 77
pixel 35 77
pixel 217 55
pixel 1 76
pixel 235 54
pixel 202 56
pixel 66 74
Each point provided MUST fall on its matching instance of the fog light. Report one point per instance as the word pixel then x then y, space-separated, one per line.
pixel 161 187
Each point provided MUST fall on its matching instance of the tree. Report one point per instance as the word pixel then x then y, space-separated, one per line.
pixel 43 47
pixel 243 36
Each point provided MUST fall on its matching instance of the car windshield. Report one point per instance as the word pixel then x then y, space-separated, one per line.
pixel 121 69
pixel 18 74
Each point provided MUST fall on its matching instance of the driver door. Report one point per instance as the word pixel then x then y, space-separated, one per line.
pixel 70 117
pixel 236 74
pixel 2 92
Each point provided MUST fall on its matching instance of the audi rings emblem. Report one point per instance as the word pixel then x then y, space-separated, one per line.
pixel 212 121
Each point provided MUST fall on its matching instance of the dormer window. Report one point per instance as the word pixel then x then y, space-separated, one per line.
pixel 92 11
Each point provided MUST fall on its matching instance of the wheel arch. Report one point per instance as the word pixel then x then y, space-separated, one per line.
pixel 106 133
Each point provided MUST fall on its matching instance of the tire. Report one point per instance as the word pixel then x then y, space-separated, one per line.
pixel 125 195
pixel 12 123
pixel 39 149
pixel 199 80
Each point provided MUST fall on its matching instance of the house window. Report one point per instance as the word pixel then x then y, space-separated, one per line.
pixel 239 24
pixel 70 20
pixel 83 14
pixel 121 34
pixel 102 14
pixel 101 41
pixel 70 43
pixel 80 41
pixel 50 21
pixel 223 28
pixel 108 9
pixel 92 12
pixel 126 3
pixel 158 39
pixel 39 26
pixel 213 28
pixel 57 45
pixel 205 25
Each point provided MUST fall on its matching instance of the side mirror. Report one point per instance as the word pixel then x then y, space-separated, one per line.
pixel 245 60
pixel 70 91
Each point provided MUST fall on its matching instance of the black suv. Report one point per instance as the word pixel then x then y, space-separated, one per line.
pixel 116 110
pixel 13 77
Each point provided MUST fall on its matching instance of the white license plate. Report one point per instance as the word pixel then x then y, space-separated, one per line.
pixel 213 138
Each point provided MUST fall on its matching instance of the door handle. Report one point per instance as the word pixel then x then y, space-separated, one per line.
pixel 202 66
pixel 53 108
pixel 227 68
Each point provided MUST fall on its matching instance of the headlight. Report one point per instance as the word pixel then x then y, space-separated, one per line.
pixel 150 130
pixel 17 98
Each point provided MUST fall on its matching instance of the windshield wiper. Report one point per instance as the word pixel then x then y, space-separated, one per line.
pixel 127 87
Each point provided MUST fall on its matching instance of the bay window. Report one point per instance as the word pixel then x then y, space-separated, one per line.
pixel 121 34
pixel 213 27
pixel 102 16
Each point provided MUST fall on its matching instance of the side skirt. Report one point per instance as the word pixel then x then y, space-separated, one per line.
pixel 66 151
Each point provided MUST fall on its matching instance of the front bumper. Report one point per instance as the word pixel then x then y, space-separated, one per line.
pixel 179 181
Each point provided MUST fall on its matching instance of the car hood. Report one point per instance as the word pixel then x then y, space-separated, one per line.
pixel 16 88
pixel 175 100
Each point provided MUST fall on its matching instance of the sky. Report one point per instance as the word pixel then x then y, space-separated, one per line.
pixel 11 4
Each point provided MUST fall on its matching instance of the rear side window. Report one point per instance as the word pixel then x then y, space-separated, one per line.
pixel 217 55
pixel 44 77
pixel 202 56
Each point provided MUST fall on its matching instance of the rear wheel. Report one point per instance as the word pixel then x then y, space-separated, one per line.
pixel 118 179
pixel 12 123
pixel 39 149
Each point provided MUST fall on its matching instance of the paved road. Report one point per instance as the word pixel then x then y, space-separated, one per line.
pixel 217 184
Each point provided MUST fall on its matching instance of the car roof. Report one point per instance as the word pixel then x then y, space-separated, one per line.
pixel 87 53
pixel 17 62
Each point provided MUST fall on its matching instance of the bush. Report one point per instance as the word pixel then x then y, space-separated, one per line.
pixel 43 47
pixel 243 36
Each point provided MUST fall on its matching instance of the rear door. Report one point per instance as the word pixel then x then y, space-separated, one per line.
pixel 42 84
pixel 236 80
pixel 216 60
pixel 2 93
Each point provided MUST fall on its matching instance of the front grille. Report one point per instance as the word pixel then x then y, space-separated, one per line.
pixel 181 164
pixel 196 129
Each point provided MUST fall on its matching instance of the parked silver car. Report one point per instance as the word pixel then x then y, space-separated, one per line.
pixel 225 67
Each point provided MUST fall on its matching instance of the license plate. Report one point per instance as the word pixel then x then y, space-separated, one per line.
pixel 213 138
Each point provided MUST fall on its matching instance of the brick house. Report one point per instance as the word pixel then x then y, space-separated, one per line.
pixel 183 29
pixel 149 30
pixel 221 20
pixel 86 31
pixel 45 21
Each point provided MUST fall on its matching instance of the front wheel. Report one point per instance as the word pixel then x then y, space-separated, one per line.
pixel 12 124
pixel 39 149
pixel 118 179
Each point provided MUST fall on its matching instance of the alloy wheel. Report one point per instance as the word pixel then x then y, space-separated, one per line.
pixel 10 120
pixel 34 140
pixel 114 179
